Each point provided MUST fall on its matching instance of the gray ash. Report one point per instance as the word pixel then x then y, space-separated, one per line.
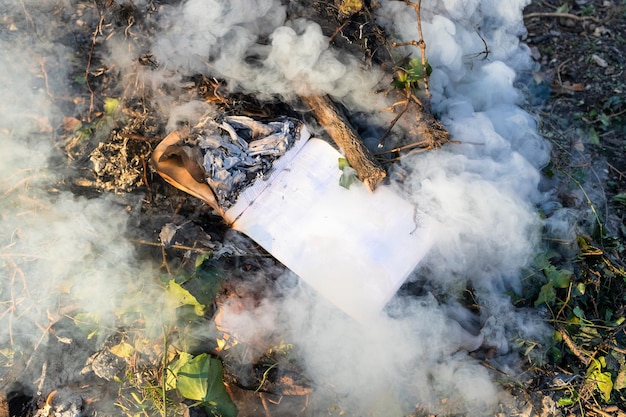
pixel 238 150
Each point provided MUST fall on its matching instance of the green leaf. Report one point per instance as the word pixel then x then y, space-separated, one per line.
pixel 201 258
pixel 400 84
pixel 111 105
pixel 564 8
pixel 565 401
pixel 87 323
pixel 200 379
pixel 180 297
pixel 546 295
pixel 594 366
pixel 560 277
pixel 343 163
pixel 580 289
pixel 415 72
pixel 348 177
pixel 620 198
pixel 594 138
pixel 604 384
pixel 173 368
pixel 578 312
pixel 206 283
pixel 605 121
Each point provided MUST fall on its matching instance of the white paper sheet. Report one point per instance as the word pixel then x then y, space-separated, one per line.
pixel 353 246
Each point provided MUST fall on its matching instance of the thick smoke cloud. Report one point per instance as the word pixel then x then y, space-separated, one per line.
pixel 483 190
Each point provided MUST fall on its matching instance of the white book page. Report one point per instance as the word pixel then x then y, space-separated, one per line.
pixel 354 246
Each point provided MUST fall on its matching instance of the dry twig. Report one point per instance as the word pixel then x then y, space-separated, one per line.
pixel 562 16
pixel 421 44
pixel 423 124
pixel 582 356
pixel 94 39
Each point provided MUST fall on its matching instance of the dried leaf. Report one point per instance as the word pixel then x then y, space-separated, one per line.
pixel 71 124
pixel 572 87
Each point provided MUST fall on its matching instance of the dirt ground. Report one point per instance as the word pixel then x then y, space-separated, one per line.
pixel 580 94
pixel 577 92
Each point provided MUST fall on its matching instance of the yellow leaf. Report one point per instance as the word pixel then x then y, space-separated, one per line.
pixel 123 350
pixel 111 105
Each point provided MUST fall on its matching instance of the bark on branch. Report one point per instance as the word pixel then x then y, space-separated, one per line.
pixel 369 171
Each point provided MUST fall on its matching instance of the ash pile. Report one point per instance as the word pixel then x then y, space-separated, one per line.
pixel 232 152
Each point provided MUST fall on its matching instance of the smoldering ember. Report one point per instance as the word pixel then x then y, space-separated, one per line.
pixel 301 208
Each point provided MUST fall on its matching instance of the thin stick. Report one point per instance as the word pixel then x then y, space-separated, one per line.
pixel 598 411
pixel 42 64
pixel 422 45
pixel 561 15
pixel 28 16
pixel 164 372
pixel 182 247
pixel 582 356
pixel 569 294
pixel 339 29
pixel 88 68
pixel 393 123
pixel 493 368
pixel 620 173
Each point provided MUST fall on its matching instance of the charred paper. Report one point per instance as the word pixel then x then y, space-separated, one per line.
pixel 236 151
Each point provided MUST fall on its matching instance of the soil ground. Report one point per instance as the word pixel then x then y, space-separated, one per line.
pixel 580 93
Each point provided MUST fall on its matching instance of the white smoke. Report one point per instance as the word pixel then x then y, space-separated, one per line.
pixel 60 254
pixel 483 190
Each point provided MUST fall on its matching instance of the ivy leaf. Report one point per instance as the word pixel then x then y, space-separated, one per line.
pixel 578 312
pixel 173 368
pixel 415 72
pixel 546 295
pixel 348 174
pixel 348 177
pixel 604 384
pixel 181 297
pixel 560 277
pixel 201 379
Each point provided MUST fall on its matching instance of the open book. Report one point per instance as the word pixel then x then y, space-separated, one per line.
pixel 353 246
